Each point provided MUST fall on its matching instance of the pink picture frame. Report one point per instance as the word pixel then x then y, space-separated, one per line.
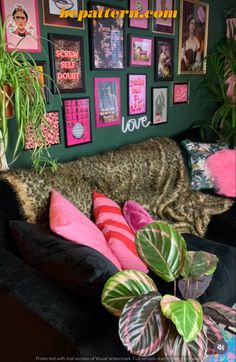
pixel 142 7
pixel 180 93
pixel 77 123
pixel 137 90
pixel 107 101
pixel 50 131
pixel 141 50
pixel 22 25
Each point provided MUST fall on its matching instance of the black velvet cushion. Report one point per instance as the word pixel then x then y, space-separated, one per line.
pixel 9 210
pixel 78 267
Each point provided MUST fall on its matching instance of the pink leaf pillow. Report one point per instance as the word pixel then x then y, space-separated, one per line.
pixel 222 167
pixel 120 238
pixel 69 222
pixel 136 216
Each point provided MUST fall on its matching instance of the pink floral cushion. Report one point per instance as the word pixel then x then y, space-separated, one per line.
pixel 69 222
pixel 136 216
pixel 222 167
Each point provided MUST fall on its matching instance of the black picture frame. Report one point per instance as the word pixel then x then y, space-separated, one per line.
pixel 45 80
pixel 141 42
pixel 107 40
pixel 64 57
pixel 180 93
pixel 53 19
pixel 137 94
pixel 164 59
pixel 160 25
pixel 141 23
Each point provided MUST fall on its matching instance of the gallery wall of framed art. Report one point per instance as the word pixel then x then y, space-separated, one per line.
pixel 113 72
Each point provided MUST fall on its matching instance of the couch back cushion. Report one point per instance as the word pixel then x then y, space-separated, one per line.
pixel 69 222
pixel 77 267
pixel 121 239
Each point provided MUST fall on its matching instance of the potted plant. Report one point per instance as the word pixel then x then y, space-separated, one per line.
pixel 219 84
pixel 21 92
pixel 154 325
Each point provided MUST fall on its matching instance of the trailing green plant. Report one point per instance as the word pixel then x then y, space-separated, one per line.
pixel 19 71
pixel 152 324
pixel 221 65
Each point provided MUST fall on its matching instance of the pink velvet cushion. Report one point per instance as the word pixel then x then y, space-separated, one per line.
pixel 66 220
pixel 135 215
pixel 222 167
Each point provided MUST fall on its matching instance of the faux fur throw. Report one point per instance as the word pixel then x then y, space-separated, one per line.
pixel 152 173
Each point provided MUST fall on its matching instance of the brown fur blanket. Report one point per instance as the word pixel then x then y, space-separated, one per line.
pixel 152 173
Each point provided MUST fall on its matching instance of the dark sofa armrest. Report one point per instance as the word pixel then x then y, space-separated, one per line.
pixel 80 320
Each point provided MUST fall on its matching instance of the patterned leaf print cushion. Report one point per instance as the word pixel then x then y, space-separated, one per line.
pixel 197 155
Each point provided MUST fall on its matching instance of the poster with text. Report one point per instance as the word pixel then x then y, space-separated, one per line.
pixel 137 94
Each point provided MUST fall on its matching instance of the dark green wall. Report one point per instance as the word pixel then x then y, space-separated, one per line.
pixel 180 117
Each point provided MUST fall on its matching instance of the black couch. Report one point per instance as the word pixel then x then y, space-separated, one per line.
pixel 41 318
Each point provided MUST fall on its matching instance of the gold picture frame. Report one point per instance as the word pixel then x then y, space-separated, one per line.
pixel 193 36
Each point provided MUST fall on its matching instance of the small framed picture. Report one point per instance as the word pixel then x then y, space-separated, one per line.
pixel 164 59
pixel 141 51
pixel 77 123
pixel 180 93
pixel 107 101
pixel 193 36
pixel 53 12
pixel 50 131
pixel 42 70
pixel 137 90
pixel 67 63
pixel 22 25
pixel 141 6
pixel 159 105
pixel 107 40
pixel 164 25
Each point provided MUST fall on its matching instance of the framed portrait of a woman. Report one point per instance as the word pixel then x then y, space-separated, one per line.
pixel 193 36
pixel 22 25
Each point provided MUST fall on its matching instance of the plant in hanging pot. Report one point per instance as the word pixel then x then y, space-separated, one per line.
pixel 21 93
pixel 166 326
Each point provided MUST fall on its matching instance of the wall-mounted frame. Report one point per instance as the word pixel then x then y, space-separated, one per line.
pixel 107 40
pixel 141 50
pixel 163 25
pixel 77 123
pixel 159 105
pixel 22 25
pixel 52 10
pixel 193 36
pixel 67 63
pixel 164 59
pixel 42 70
pixel 180 93
pixel 137 94
pixel 107 101
pixel 50 131
pixel 142 7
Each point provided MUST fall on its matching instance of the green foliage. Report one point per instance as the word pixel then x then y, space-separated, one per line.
pixel 150 324
pixel 221 64
pixel 19 71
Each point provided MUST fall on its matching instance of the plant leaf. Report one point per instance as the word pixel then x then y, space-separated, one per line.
pixel 142 327
pixel 186 315
pixel 199 263
pixel 162 248
pixel 213 332
pixel 194 288
pixel 122 287
pixel 220 313
pixel 176 349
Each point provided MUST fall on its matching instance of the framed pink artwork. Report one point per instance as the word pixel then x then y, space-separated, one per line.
pixel 77 121
pixel 141 6
pixel 22 25
pixel 180 93
pixel 107 101
pixel 137 90
pixel 163 25
pixel 141 51
pixel 50 131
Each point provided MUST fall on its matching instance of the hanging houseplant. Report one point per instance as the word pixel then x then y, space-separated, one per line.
pixel 21 92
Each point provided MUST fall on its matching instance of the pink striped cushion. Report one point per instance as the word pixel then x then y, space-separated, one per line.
pixel 68 221
pixel 119 236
